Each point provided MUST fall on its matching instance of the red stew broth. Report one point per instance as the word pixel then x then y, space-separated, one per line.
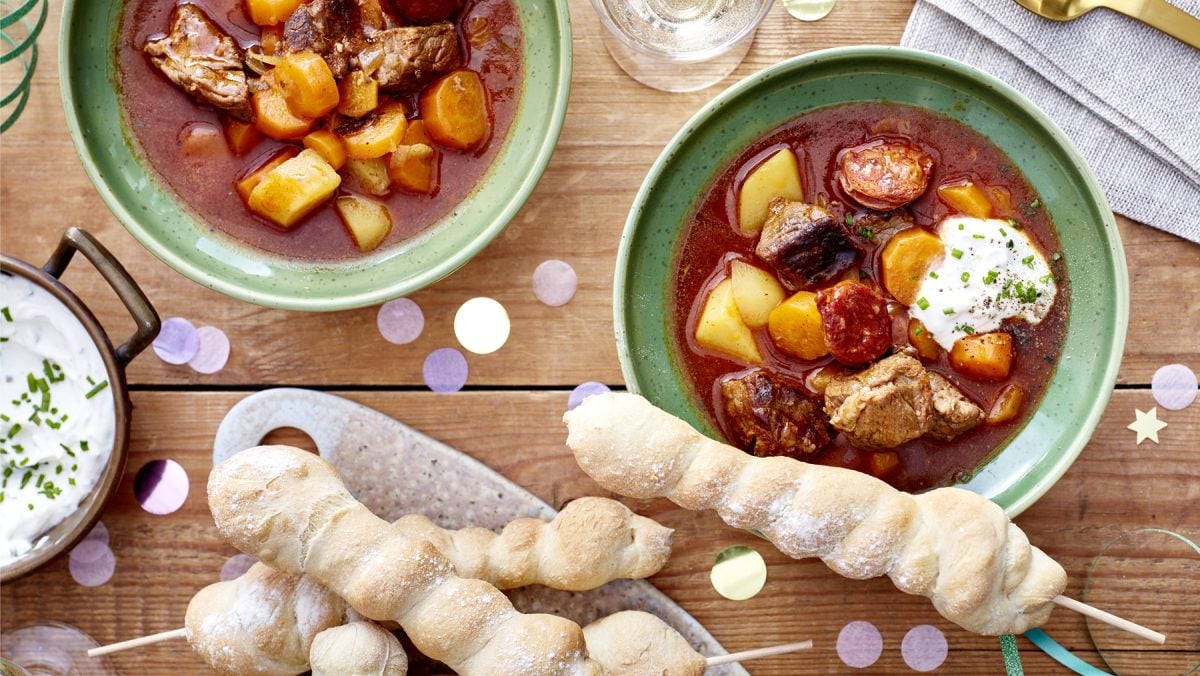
pixel 202 170
pixel 711 241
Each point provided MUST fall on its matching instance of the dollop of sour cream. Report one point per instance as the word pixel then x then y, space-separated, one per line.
pixel 992 271
pixel 57 421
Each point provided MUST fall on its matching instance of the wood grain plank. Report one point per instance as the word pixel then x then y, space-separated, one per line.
pixel 613 132
pixel 1115 486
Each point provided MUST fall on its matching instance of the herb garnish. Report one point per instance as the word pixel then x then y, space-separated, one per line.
pixel 923 303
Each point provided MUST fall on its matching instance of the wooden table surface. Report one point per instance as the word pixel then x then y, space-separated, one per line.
pixel 508 417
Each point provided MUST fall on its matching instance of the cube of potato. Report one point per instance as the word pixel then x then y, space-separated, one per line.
pixel 294 189
pixel 1007 405
pixel 368 221
pixel 307 84
pixel 377 135
pixel 966 198
pixel 983 356
pixel 271 12
pixel 795 326
pixel 359 94
pixel 721 328
pixel 371 175
pixel 906 259
pixel 779 176
pixel 756 293
pixel 241 136
pixel 922 340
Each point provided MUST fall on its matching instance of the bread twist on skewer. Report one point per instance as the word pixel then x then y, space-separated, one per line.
pixel 289 508
pixel 357 649
pixel 950 545
pixel 252 624
pixel 590 543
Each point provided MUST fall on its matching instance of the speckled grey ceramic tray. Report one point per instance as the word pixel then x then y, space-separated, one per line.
pixel 395 470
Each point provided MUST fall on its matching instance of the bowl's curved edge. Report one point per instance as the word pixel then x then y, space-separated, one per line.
pixel 291 302
pixel 1116 250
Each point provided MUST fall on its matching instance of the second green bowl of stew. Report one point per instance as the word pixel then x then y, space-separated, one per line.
pixel 1054 434
pixel 164 224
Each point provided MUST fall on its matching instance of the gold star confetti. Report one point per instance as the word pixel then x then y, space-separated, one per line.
pixel 1147 425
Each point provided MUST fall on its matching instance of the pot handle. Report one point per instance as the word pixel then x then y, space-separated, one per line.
pixel 118 278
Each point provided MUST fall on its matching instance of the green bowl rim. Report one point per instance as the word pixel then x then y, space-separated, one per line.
pixel 1116 249
pixel 335 302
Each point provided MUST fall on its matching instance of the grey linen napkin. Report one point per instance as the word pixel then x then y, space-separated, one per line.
pixel 1127 95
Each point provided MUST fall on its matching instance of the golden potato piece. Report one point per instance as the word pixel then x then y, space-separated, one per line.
pixel 294 189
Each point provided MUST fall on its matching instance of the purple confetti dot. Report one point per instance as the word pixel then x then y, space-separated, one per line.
pixel 161 486
pixel 95 572
pixel 214 350
pixel 401 321
pixel 177 341
pixel 555 282
pixel 445 370
pixel 859 644
pixel 924 648
pixel 583 391
pixel 236 566
pixel 99 533
pixel 88 550
pixel 1174 387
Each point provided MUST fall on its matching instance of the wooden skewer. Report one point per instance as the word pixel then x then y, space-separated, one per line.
pixel 747 655
pixel 138 642
pixel 1108 618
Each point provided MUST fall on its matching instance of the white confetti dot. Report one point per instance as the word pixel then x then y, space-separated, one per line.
pixel 400 321
pixel 555 283
pixel 213 353
pixel 1174 387
pixel 481 325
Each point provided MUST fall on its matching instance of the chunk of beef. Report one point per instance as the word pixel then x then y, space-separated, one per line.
pixel 897 400
pixel 805 244
pixel 331 28
pixel 882 407
pixel 770 416
pixel 205 62
pixel 954 413
pixel 884 175
pixel 411 55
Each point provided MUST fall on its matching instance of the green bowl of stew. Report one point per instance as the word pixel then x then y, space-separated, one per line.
pixel 649 306
pixel 171 217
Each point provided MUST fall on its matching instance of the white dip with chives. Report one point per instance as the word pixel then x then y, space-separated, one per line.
pixel 56 414
pixel 992 271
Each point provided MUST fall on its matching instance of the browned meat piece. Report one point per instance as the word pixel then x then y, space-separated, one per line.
pixel 897 400
pixel 804 244
pixel 884 175
pixel 769 416
pixel 205 62
pixel 882 407
pixel 411 55
pixel 953 412
pixel 331 28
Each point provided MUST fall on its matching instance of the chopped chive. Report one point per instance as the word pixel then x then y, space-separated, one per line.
pixel 90 381
pixel 933 275
pixel 965 276
pixel 5 418
pixel 957 253
pixel 1010 244
pixel 96 390
pixel 83 445
pixel 14 430
pixel 918 331
pixel 1003 232
pixel 25 479
pixel 849 219
pixel 71 481
pixel 977 236
pixel 1045 279
pixel 948 311
pixel 1036 203
pixel 7 315
pixel 865 232
pixel 1027 261
pixel 960 226
pixel 1057 256
pixel 990 277
pixel 923 303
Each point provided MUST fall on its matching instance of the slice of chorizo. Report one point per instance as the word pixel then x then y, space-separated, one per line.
pixel 855 321
pixel 884 175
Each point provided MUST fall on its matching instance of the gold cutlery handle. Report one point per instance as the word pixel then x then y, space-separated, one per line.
pixel 1164 16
